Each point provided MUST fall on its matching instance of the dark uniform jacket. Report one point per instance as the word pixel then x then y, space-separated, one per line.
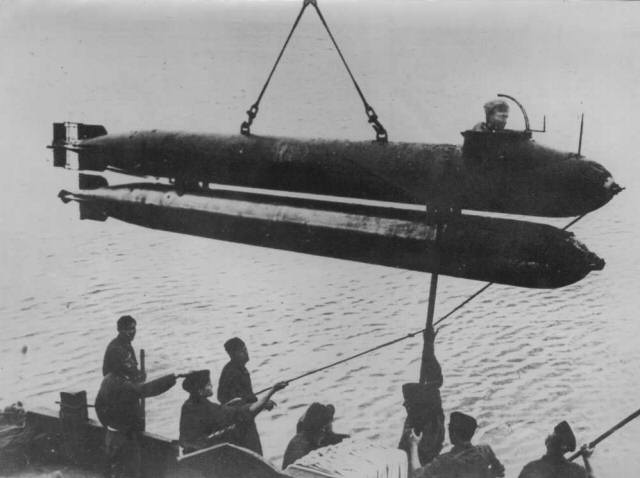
pixel 432 432
pixel 463 461
pixel 552 467
pixel 235 382
pixel 118 401
pixel 201 418
pixel 117 351
pixel 480 127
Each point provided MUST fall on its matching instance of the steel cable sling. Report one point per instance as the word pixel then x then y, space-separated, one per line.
pixel 372 117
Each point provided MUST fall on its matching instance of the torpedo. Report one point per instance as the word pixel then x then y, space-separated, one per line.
pixel 502 171
pixel 504 251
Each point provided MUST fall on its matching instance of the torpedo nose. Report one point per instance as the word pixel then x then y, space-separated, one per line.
pixel 596 262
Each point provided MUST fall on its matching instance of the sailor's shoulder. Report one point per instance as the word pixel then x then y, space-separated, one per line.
pixel 482 126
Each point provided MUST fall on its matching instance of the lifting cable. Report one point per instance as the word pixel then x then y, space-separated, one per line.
pixel 409 335
pixel 372 117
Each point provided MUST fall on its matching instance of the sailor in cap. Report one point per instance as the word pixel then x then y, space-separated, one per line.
pixel 200 418
pixel 553 464
pixel 119 409
pixel 464 459
pixel 235 380
pixel 496 114
pixel 235 383
pixel 120 349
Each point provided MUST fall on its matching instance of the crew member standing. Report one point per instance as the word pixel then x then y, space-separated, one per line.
pixel 553 464
pixel 235 382
pixel 120 349
pixel 119 410
pixel 424 406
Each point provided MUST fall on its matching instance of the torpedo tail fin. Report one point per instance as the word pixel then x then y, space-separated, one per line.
pixel 91 211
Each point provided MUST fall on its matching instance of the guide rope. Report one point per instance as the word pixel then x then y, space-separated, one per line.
pixel 610 431
pixel 372 117
pixel 409 335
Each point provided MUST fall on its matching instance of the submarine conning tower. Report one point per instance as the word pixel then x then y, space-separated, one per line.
pixel 532 173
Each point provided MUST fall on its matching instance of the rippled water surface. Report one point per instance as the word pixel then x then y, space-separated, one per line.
pixel 519 360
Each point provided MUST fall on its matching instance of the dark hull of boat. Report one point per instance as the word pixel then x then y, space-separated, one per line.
pixel 80 443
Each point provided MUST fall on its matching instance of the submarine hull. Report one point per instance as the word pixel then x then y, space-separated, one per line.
pixel 504 173
pixel 504 251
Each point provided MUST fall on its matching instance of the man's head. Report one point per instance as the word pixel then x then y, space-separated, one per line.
pixel 461 427
pixel 127 327
pixel 317 419
pixel 237 350
pixel 496 113
pixel 198 384
pixel 561 440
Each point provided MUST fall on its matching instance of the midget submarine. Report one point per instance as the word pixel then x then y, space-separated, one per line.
pixel 497 171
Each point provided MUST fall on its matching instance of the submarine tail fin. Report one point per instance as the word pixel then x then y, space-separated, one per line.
pixel 66 139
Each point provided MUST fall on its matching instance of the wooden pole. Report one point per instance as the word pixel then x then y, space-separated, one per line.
pixel 142 400
pixel 610 431
pixel 432 302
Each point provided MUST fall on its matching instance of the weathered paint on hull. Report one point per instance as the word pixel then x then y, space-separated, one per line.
pixel 509 252
pixel 499 172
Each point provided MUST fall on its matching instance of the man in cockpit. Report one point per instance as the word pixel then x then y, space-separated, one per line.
pixel 497 113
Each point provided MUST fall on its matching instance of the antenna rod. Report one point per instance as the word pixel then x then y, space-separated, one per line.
pixel 581 127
